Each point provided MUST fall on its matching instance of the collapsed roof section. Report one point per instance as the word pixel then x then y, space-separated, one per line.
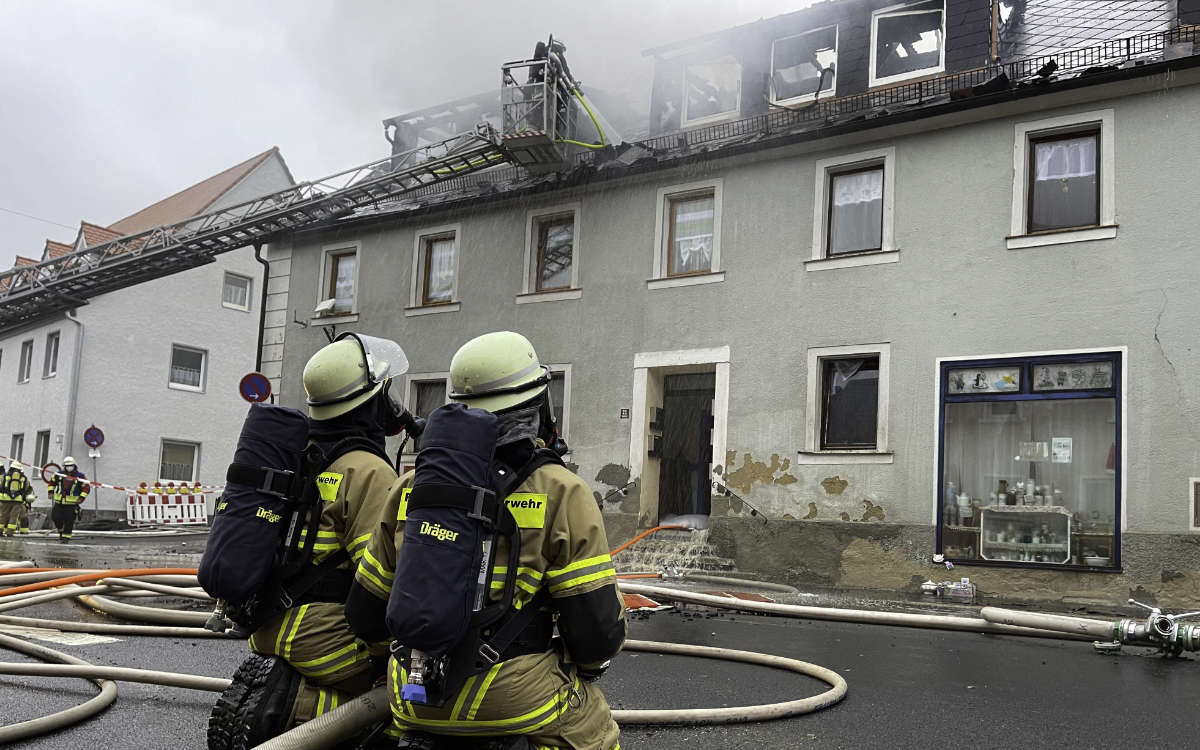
pixel 1041 27
pixel 823 117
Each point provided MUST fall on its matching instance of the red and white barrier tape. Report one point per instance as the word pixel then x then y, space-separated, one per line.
pixel 159 489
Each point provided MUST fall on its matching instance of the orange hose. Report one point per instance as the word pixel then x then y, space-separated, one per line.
pixel 631 541
pixel 86 577
pixel 629 576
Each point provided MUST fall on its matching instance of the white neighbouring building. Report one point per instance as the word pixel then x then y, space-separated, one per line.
pixel 154 365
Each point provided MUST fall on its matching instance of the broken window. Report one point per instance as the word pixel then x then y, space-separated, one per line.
pixel 437 286
pixel 690 243
pixel 711 89
pixel 856 211
pixel 799 62
pixel 906 42
pixel 558 400
pixel 555 252
pixel 849 403
pixel 1064 182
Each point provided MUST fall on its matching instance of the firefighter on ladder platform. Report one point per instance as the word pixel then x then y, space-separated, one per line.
pixel 67 490
pixel 16 495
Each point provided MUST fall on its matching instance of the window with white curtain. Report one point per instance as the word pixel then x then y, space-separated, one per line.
pixel 437 286
pixel 691 224
pixel 1064 182
pixel 856 211
pixel 235 292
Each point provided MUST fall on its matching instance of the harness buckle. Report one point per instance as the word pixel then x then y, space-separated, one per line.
pixel 269 486
pixel 476 513
pixel 488 653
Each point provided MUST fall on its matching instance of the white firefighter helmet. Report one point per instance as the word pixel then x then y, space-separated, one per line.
pixel 346 373
pixel 68 461
pixel 497 371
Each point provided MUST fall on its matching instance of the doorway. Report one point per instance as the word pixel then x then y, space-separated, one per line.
pixel 686 420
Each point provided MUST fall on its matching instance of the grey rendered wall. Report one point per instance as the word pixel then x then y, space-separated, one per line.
pixel 127 357
pixel 955 291
pixel 41 403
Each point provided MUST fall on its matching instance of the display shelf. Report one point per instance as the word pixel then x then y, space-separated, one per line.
pixel 1027 546
pixel 999 524
pixel 961 529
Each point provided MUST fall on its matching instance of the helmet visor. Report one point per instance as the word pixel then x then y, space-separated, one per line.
pixel 385 359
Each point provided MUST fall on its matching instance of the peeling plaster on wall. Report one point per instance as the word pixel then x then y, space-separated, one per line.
pixel 872 511
pixel 751 471
pixel 844 516
pixel 1171 575
pixel 834 485
pixel 812 511
pixel 614 475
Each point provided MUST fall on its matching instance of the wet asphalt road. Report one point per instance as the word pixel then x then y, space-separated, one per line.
pixel 908 688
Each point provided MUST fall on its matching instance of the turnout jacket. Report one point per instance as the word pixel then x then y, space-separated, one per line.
pixel 314 637
pixel 15 487
pixel 563 549
pixel 69 489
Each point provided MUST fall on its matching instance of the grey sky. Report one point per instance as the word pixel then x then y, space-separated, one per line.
pixel 110 105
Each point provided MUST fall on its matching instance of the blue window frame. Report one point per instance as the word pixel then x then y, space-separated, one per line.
pixel 1029 461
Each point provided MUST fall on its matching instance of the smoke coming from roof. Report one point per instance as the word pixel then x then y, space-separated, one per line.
pixel 113 105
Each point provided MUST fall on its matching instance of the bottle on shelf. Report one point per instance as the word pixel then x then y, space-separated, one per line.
pixel 950 505
pixel 966 511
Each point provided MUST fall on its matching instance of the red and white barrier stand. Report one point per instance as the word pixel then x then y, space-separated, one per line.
pixel 167 506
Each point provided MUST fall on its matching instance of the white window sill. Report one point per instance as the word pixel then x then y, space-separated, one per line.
pixel 853 261
pixel 554 296
pixel 1105 232
pixel 51 375
pixel 234 307
pixel 709 119
pixel 333 320
pixel 411 312
pixel 694 280
pixel 827 458
pixel 185 388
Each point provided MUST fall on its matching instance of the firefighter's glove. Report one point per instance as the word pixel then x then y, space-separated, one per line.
pixel 593 672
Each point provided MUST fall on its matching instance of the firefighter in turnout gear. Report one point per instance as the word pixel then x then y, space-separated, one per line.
pixel 67 491
pixel 305 660
pixel 540 687
pixel 16 495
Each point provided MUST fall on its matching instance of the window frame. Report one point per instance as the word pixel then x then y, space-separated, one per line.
pixel 1027 362
pixel 1193 518
pixel 162 444
pixel 823 405
pixel 41 445
pixel 831 89
pixel 1034 142
pixel 813 453
pixel 899 10
pixel 25 362
pixel 825 170
pixel 564 425
pixel 50 363
pixel 732 114
pixel 411 381
pixel 832 175
pixel 327 279
pixel 17 447
pixel 249 291
pixel 1025 134
pixel 529 283
pixel 664 231
pixel 420 269
pixel 203 369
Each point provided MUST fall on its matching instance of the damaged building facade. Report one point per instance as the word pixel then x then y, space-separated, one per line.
pixel 885 282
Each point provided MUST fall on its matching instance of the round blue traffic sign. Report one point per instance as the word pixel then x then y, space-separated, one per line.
pixel 255 387
pixel 93 436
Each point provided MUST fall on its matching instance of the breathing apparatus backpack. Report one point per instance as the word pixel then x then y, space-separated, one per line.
pixel 439 611
pixel 258 561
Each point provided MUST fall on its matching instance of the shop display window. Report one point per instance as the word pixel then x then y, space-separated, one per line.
pixel 1030 461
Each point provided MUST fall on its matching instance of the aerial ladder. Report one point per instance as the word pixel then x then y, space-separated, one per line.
pixel 542 108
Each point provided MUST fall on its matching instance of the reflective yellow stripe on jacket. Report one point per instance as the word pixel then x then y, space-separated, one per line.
pixel 469 700
pixel 580 572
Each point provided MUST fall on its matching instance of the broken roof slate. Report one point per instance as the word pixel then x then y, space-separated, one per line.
pixel 1040 27
pixel 191 201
